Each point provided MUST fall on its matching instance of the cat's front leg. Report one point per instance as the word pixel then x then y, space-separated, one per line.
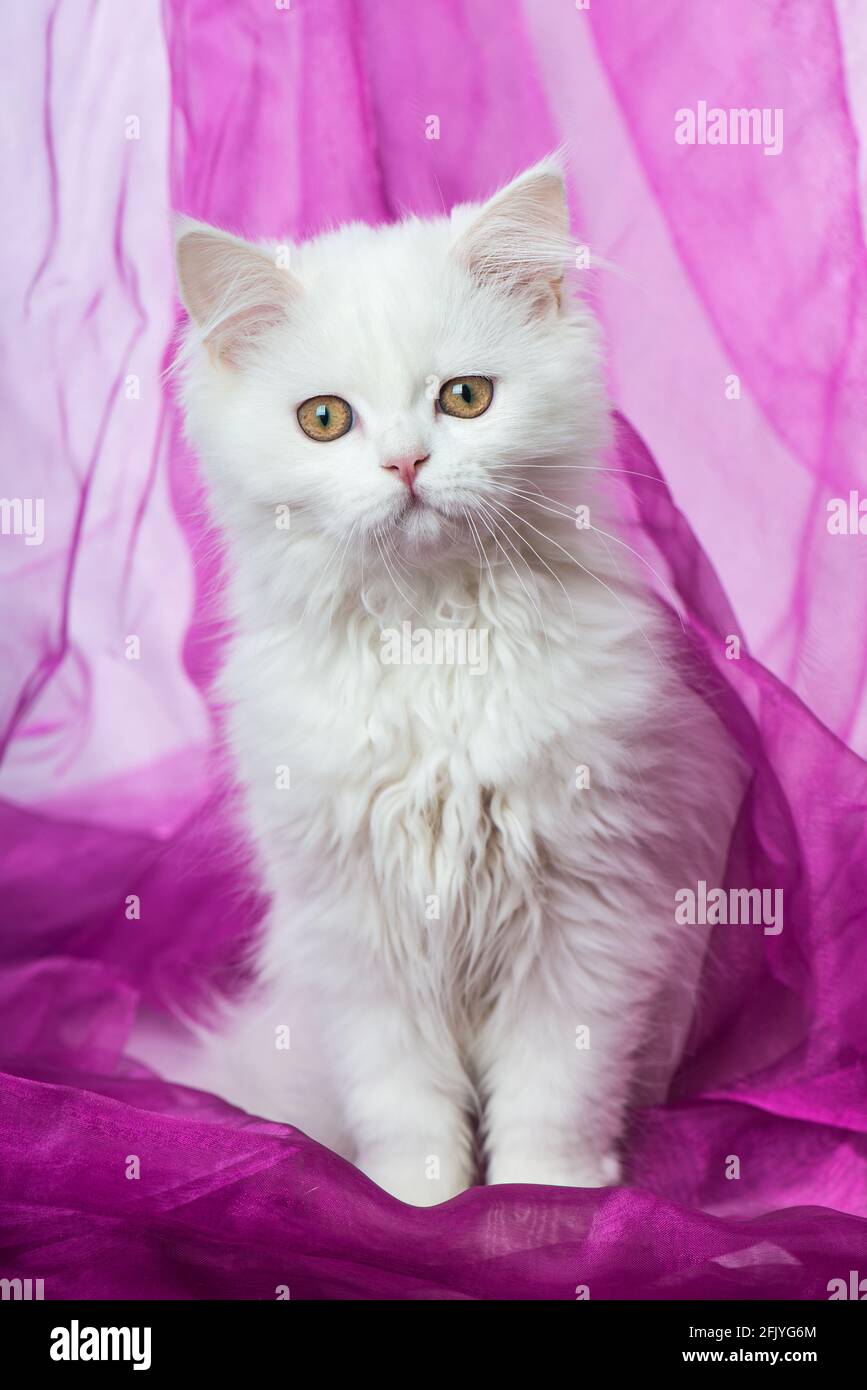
pixel 556 1060
pixel 405 1095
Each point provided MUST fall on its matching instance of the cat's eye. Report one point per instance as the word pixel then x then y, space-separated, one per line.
pixel 325 417
pixel 466 396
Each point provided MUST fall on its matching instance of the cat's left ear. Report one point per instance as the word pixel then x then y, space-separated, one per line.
pixel 519 239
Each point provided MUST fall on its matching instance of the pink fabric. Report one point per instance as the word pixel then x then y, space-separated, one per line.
pixel 725 261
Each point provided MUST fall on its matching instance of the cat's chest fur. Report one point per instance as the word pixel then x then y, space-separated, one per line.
pixel 439 785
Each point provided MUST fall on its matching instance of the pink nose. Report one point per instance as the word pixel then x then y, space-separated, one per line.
pixel 405 468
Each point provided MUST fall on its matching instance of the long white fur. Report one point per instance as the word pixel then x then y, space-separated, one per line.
pixel 412 1033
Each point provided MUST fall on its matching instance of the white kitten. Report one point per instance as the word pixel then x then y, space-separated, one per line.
pixel 459 937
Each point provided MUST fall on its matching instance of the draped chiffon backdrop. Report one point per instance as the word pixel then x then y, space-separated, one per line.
pixel 723 262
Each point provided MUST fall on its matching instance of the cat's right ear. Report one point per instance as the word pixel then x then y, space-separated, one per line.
pixel 519 239
pixel 232 290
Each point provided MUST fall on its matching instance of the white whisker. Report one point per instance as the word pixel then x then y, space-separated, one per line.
pixel 668 590
pixel 391 575
pixel 484 513
pixel 541 560
pixel 337 577
pixel 563 510
pixel 590 573
pixel 481 543
pixel 589 468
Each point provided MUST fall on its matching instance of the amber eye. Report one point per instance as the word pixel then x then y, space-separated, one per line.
pixel 325 417
pixel 466 396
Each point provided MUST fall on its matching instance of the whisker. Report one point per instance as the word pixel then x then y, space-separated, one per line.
pixel 322 573
pixel 605 586
pixel 669 591
pixel 474 535
pixel 589 468
pixel 397 560
pixel 337 577
pixel 564 511
pixel 541 560
pixel 484 512
pixel 481 543
pixel 391 575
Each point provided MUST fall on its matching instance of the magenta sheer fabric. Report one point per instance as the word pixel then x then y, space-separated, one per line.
pixel 725 262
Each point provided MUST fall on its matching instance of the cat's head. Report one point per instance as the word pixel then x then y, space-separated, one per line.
pixel 391 382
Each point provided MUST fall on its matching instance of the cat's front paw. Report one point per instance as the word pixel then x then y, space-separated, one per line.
pixel 582 1170
pixel 423 1182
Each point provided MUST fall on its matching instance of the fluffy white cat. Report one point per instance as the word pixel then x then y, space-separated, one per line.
pixel 470 963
